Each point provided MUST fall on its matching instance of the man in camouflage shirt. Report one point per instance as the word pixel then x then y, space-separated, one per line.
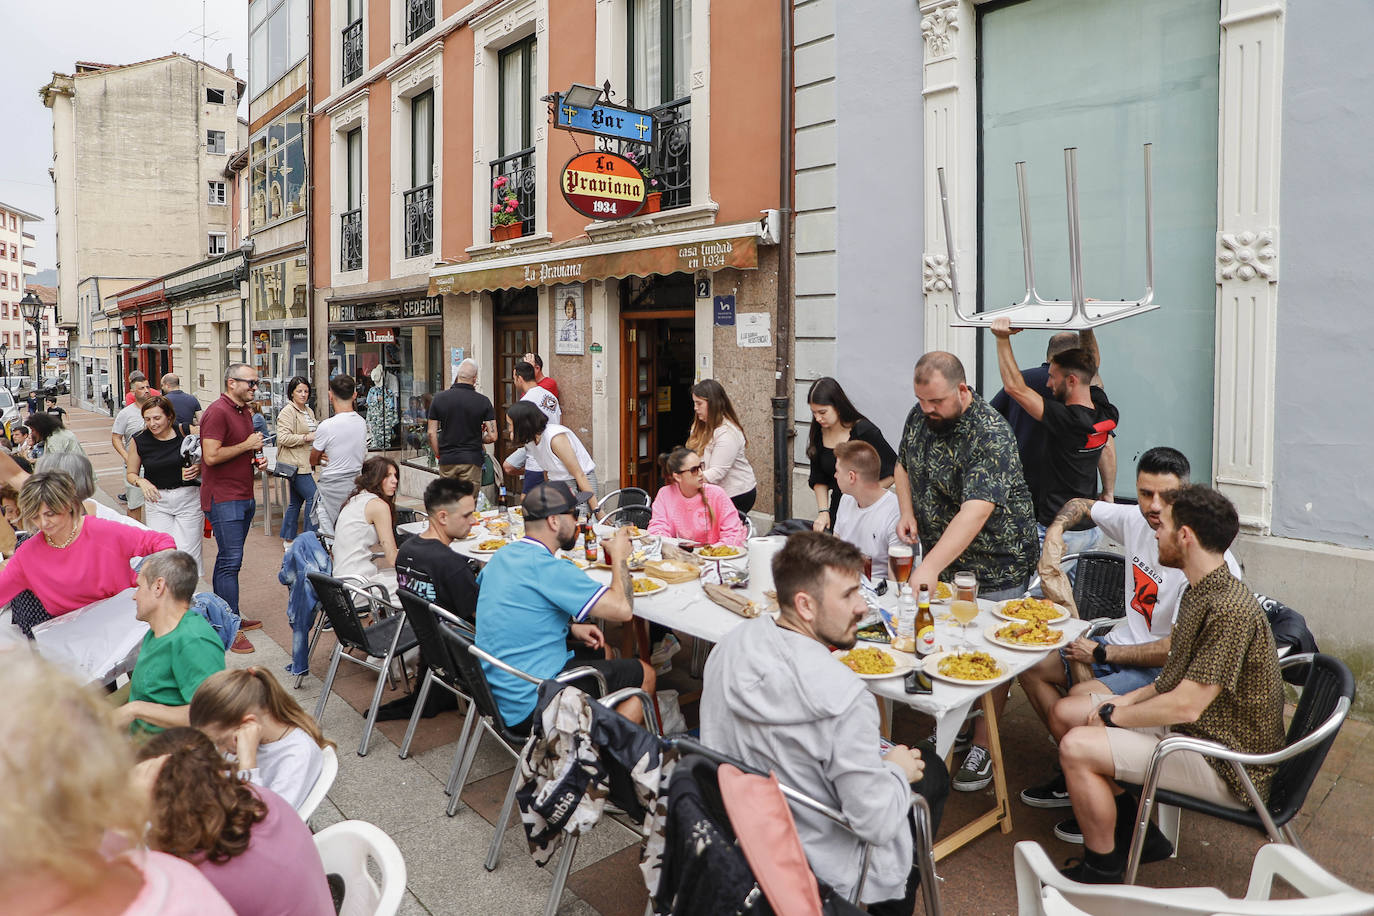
pixel 964 496
pixel 1221 683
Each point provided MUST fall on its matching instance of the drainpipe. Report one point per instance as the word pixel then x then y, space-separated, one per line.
pixel 782 371
pixel 309 140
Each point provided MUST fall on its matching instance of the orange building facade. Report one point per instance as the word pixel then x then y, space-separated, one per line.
pixel 439 230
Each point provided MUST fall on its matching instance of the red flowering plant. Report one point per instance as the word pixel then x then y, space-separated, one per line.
pixel 503 211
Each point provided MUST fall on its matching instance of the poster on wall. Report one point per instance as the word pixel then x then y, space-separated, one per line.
pixel 568 320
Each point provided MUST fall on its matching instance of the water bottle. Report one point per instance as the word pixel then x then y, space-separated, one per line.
pixel 905 640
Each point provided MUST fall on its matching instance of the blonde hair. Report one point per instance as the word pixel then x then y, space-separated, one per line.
pixel 225 697
pixel 66 772
pixel 54 489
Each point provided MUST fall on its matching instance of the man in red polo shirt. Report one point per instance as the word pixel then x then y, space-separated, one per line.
pixel 228 444
pixel 540 379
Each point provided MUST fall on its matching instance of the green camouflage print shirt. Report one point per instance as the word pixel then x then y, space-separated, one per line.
pixel 975 460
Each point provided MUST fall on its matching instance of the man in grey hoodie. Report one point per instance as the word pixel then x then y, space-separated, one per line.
pixel 775 698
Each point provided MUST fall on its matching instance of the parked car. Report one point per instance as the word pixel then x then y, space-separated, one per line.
pixel 9 410
pixel 53 386
pixel 19 385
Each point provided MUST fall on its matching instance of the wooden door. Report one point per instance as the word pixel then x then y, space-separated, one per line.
pixel 514 338
pixel 639 432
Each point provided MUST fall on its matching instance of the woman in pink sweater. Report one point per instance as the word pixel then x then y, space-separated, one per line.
pixel 74 559
pixel 690 509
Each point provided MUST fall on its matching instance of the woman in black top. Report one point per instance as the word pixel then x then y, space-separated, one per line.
pixel 171 490
pixel 834 420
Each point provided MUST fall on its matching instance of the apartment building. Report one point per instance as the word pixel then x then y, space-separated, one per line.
pixel 139 155
pixel 16 266
pixel 441 232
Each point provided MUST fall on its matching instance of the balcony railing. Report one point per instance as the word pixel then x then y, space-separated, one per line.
pixel 419 18
pixel 352 51
pixel 670 155
pixel 419 203
pixel 518 170
pixel 351 240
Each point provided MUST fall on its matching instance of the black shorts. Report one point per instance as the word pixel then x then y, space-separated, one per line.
pixel 618 672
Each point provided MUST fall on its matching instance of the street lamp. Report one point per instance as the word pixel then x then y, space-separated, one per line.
pixel 4 364
pixel 31 307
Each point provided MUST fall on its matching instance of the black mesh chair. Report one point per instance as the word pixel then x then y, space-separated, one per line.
pixel 385 639
pixel 626 496
pixel 1325 702
pixel 628 515
pixel 409 516
pixel 440 668
pixel 320 619
pixel 1099 586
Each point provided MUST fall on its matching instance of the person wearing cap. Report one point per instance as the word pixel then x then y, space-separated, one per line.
pixel 532 606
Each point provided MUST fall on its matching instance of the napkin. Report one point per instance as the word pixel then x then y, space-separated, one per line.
pixel 732 600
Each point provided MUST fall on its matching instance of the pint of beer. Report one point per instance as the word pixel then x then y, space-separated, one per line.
pixel 899 558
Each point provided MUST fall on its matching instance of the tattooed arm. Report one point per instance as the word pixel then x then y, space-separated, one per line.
pixel 617 602
pixel 1053 581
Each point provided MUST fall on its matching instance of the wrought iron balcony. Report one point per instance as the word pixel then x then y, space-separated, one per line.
pixel 670 155
pixel 351 240
pixel 518 170
pixel 419 18
pixel 352 51
pixel 419 216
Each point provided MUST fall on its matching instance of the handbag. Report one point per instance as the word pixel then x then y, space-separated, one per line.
pixel 282 469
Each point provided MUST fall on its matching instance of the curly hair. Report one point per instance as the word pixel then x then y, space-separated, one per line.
pixel 202 811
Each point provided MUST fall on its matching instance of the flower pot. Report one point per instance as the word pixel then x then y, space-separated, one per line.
pixel 653 202
pixel 506 233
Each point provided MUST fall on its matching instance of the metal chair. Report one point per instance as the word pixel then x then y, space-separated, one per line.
pixel 920 811
pixel 346 848
pixel 408 516
pixel 320 619
pixel 625 496
pixel 1325 702
pixel 385 639
pixel 628 515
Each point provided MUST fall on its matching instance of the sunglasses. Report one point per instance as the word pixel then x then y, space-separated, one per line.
pixel 694 469
pixel 250 382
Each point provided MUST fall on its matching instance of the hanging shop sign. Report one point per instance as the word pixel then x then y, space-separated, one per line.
pixel 602 185
pixel 604 121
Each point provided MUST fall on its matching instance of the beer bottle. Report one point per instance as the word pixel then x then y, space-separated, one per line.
pixel 589 540
pixel 925 624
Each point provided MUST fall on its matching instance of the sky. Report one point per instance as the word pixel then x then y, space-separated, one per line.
pixel 52 35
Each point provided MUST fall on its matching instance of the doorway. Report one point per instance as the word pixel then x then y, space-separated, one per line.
pixel 658 343
pixel 515 323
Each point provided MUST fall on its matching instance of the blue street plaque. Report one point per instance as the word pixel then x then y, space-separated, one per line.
pixel 604 121
pixel 725 311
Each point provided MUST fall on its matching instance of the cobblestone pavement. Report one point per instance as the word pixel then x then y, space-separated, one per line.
pixel 444 856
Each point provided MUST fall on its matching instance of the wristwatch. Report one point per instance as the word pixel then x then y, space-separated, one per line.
pixel 1100 654
pixel 1104 712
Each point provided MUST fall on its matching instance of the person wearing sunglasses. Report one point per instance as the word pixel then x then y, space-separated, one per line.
pixel 228 443
pixel 689 508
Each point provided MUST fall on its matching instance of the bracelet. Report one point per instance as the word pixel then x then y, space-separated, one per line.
pixel 1100 654
pixel 825 509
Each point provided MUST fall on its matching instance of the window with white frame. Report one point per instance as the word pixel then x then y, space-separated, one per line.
pixel 419 200
pixel 351 220
pixel 214 142
pixel 660 51
pixel 216 192
pixel 278 40
pixel 217 243
pixel 276 158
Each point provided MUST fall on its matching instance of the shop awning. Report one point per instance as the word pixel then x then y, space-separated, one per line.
pixel 715 248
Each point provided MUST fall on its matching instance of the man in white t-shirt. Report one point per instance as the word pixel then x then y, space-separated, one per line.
pixel 1132 654
pixel 530 390
pixel 341 441
pixel 869 512
pixel 127 424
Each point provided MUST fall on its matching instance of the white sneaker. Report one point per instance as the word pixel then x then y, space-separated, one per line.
pixel 663 653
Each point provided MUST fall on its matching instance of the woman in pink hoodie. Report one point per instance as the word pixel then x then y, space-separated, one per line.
pixel 690 509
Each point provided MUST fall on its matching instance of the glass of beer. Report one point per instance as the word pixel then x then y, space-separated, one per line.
pixel 899 558
pixel 964 606
pixel 868 567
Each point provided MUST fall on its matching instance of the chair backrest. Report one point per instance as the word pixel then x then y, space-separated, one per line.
pixel 406 516
pixel 347 848
pixel 1100 584
pixel 433 648
pixel 472 673
pixel 1328 681
pixel 337 600
pixel 320 789
pixel 626 496
pixel 629 515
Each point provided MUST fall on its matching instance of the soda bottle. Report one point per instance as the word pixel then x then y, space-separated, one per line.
pixel 925 624
pixel 502 505
pixel 905 640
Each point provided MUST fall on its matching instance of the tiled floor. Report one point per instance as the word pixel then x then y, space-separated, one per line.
pixel 444 856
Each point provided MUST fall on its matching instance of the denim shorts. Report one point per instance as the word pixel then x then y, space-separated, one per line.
pixel 1119 679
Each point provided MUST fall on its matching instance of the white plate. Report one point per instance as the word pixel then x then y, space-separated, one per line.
pixel 932 668
pixel 487 553
pixel 901 660
pixel 991 635
pixel 662 587
pixel 1063 612
pixel 742 551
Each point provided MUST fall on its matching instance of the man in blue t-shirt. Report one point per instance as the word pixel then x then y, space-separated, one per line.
pixel 532 605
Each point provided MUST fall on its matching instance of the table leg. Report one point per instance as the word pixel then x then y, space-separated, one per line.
pixel 884 716
pixel 1000 814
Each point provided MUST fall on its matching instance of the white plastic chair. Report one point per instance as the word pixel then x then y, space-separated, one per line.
pixel 346 848
pixel 1323 893
pixel 322 785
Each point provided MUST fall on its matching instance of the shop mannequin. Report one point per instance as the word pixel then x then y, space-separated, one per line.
pixel 383 408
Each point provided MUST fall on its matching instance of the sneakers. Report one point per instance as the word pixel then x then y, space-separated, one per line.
pixel 1084 872
pixel 662 656
pixel 976 772
pixel 1053 794
pixel 247 623
pixel 241 645
pixel 1068 831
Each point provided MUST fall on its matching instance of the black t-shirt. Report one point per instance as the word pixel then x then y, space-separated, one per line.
pixel 461 411
pixel 161 461
pixel 1066 467
pixel 823 464
pixel 436 573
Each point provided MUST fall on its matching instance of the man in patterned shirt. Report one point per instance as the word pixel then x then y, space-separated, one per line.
pixel 1221 682
pixel 964 497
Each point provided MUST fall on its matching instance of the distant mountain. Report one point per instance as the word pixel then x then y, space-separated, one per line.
pixel 43 278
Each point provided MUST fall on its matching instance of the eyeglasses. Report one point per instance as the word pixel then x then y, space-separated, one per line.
pixel 694 469
pixel 250 382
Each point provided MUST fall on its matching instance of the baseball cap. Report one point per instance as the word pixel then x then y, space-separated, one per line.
pixel 550 498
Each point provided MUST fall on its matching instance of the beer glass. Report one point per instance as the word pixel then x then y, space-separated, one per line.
pixel 964 605
pixel 899 558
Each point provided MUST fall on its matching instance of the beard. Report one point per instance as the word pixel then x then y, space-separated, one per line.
pixel 568 541
pixel 1170 555
pixel 940 425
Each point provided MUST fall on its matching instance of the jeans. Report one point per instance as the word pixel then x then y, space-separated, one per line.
pixel 302 501
pixel 230 522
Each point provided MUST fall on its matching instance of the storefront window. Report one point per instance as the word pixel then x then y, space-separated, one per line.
pixel 398 371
